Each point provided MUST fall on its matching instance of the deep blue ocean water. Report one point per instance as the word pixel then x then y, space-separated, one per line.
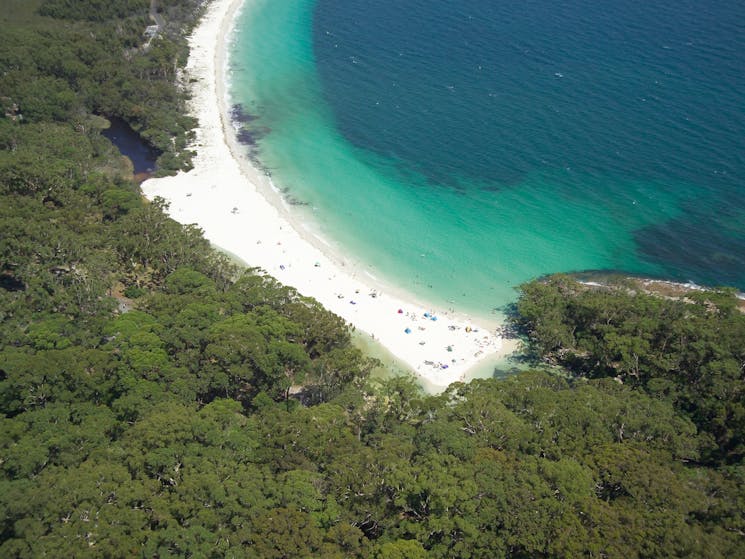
pixel 461 148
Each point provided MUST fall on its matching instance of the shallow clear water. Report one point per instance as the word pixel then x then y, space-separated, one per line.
pixel 461 148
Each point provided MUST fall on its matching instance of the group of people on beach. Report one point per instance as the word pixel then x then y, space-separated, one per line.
pixel 417 322
pixel 482 343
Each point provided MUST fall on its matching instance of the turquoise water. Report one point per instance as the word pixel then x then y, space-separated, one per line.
pixel 459 149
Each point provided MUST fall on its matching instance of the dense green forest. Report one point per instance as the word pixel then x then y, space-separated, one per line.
pixel 159 401
pixel 688 349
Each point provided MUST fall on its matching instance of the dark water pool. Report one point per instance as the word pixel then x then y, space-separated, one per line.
pixel 131 145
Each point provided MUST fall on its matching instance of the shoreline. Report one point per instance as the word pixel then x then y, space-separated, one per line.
pixel 241 211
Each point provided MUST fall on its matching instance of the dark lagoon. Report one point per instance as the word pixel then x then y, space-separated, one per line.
pixel 132 146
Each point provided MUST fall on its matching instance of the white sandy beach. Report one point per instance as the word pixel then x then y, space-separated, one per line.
pixel 240 211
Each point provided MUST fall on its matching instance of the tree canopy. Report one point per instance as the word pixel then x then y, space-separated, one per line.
pixel 688 350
